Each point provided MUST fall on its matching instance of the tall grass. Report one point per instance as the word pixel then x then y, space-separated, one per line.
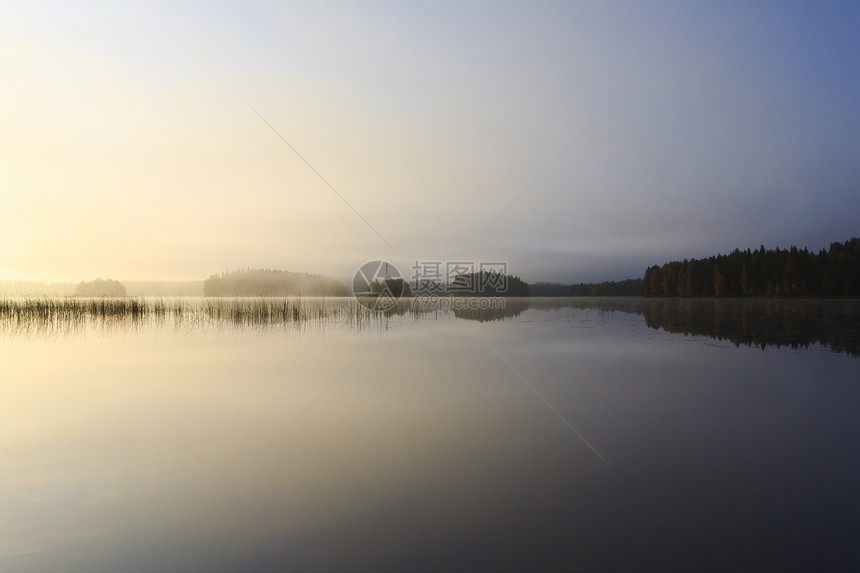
pixel 54 315
pixel 66 315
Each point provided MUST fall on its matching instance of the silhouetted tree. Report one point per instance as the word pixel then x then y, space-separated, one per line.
pixel 488 283
pixel 396 287
pixel 628 287
pixel 789 273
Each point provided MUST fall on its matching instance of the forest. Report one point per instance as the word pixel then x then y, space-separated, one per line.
pixel 628 287
pixel 794 272
pixel 487 283
pixel 396 287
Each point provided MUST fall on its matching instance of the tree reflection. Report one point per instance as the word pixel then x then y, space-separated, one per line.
pixel 833 323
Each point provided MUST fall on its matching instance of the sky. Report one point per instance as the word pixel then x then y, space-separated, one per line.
pixel 574 141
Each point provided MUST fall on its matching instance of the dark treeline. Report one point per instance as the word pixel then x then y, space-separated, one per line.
pixel 774 273
pixel 392 287
pixel 486 283
pixel 264 282
pixel 628 287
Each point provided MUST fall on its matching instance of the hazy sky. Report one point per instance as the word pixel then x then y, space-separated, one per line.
pixel 130 145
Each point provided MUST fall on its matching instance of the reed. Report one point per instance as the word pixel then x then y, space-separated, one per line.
pixel 47 315
pixel 58 315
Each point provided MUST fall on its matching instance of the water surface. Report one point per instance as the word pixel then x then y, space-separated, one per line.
pixel 582 433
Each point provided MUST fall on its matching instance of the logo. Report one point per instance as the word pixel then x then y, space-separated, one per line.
pixel 378 285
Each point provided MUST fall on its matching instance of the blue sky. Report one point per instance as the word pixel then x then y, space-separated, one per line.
pixel 130 144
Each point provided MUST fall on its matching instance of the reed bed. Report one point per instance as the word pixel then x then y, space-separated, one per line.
pixel 47 316
pixel 53 315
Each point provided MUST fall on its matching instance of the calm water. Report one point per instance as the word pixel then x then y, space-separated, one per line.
pixel 566 434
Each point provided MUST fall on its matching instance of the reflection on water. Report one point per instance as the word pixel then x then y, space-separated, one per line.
pixel 512 307
pixel 835 324
pixel 798 323
pixel 410 441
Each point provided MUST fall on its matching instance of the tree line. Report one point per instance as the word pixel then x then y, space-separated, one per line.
pixel 627 287
pixel 794 272
pixel 488 283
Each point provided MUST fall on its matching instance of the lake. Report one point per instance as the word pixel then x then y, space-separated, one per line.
pixel 554 434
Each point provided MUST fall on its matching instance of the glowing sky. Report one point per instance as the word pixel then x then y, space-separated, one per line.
pixel 130 145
